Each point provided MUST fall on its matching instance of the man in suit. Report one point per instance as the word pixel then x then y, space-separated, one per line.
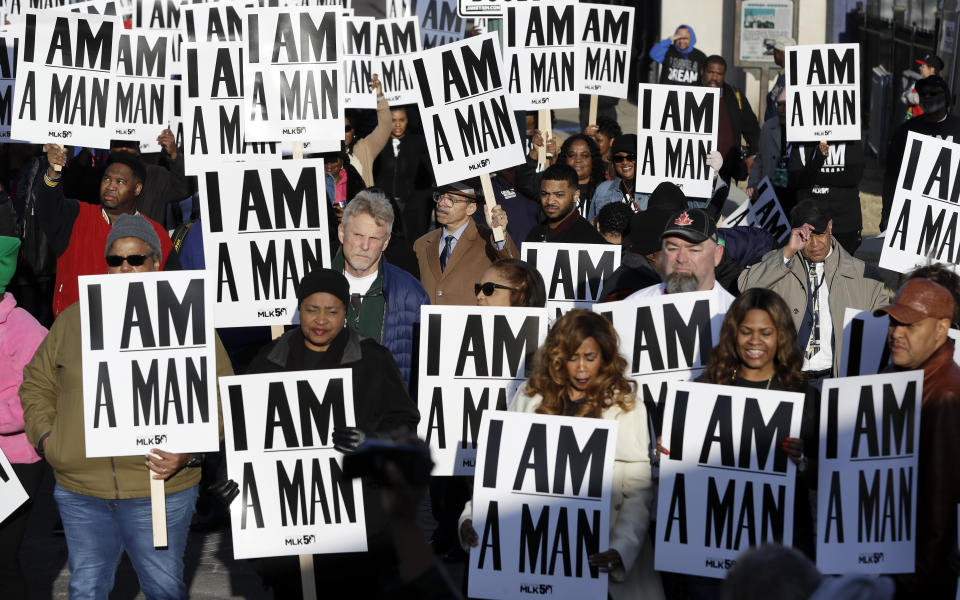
pixel 453 257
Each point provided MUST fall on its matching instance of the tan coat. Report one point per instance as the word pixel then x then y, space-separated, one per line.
pixel 474 252
pixel 846 284
pixel 365 150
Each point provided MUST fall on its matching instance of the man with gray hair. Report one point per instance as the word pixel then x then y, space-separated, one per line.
pixel 384 300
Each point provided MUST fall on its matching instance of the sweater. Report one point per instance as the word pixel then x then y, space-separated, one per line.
pixel 20 334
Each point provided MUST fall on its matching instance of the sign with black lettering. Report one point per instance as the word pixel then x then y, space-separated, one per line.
pixel 864 349
pixel 676 131
pixel 144 88
pixel 161 15
pixel 573 273
pixel 11 11
pixel 472 358
pixel 541 54
pixel 396 9
pixel 294 497
pixel 264 228
pixel 467 118
pixel 292 88
pixel 397 43
pixel 480 8
pixel 923 218
pixel 149 367
pixel 439 22
pixel 727 484
pixel 867 473
pixel 823 92
pixel 537 527
pixel 605 49
pixel 12 494
pixel 212 106
pixel 762 211
pixel 99 7
pixel 66 72
pixel 357 63
pixel 9 47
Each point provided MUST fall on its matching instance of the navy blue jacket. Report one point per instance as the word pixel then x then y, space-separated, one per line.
pixel 401 323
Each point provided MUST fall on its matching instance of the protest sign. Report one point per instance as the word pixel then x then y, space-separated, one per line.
pixel 397 9
pixel 149 368
pixel 923 219
pixel 397 44
pixel 216 22
pixel 864 350
pixel 664 338
pixel 867 473
pixel 494 350
pixel 161 15
pixel 823 92
pixel 467 118
pixel 358 65
pixel 294 498
pixel 605 49
pixel 727 484
pixel 541 54
pixel 478 9
pixel 9 46
pixel 762 211
pixel 439 22
pixel 66 72
pixel 292 88
pixel 264 228
pixel 145 92
pixel 676 131
pixel 536 532
pixel 96 7
pixel 12 494
pixel 11 11
pixel 573 273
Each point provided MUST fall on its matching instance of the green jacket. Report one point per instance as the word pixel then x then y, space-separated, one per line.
pixel 52 398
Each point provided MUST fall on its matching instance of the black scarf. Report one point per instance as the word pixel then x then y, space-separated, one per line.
pixel 329 359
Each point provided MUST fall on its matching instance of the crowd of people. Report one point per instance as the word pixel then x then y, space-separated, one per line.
pixel 400 242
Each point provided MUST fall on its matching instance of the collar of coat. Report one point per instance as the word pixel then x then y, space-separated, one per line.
pixel 281 351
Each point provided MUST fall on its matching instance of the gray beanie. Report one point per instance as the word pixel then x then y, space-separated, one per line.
pixel 133 226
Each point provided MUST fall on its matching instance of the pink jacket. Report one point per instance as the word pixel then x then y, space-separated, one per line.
pixel 20 334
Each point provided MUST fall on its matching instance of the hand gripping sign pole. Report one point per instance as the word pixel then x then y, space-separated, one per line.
pixel 488 199
pixel 543 122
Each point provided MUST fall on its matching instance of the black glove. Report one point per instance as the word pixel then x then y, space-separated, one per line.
pixel 225 491
pixel 346 439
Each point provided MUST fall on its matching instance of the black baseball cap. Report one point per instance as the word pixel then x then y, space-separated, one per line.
pixel 931 60
pixel 691 224
pixel 813 212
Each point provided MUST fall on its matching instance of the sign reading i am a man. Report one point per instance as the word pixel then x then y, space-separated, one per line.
pixel 541 54
pixel 12 494
pixel 605 49
pixel 145 91
pixel 397 44
pixel 762 211
pixel 573 273
pixel 358 65
pixel 9 47
pixel 823 92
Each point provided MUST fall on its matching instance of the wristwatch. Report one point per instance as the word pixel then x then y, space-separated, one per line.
pixel 195 461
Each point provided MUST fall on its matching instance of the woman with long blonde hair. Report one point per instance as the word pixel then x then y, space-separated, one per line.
pixel 579 372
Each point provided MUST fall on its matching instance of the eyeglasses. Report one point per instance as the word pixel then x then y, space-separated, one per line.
pixel 134 260
pixel 619 158
pixel 439 197
pixel 488 288
pixel 347 128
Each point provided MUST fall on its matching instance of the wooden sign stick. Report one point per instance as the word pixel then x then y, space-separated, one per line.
pixel 594 100
pixel 158 510
pixel 543 123
pixel 489 200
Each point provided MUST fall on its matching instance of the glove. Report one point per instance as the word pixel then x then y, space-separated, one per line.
pixel 225 491
pixel 347 439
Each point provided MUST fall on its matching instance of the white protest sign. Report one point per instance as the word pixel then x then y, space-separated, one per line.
pixel 823 92
pixel 573 273
pixel 278 433
pixel 161 15
pixel 605 50
pixel 764 212
pixel 923 219
pixel 62 96
pixel 12 494
pixel 864 350
pixel 867 473
pixel 145 92
pixel 677 128
pixel 472 358
pixel 149 365
pixel 215 22
pixel 95 7
pixel 264 228
pixel 439 22
pixel 527 513
pixel 727 484
pixel 358 65
pixel 477 9
pixel 292 88
pixel 396 9
pixel 11 11
pixel 397 44
pixel 9 47
pixel 541 54
pixel 467 118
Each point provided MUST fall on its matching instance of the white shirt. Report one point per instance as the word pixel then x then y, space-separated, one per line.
pixel 456 238
pixel 722 297
pixel 360 285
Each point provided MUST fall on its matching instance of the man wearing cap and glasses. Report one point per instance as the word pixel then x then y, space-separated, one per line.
pixel 818 280
pixel 920 316
pixel 454 256
pixel 930 64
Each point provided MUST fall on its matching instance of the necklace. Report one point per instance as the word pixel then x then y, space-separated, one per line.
pixel 769 381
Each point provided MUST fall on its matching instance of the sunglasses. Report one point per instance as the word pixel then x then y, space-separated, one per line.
pixel 134 260
pixel 489 287
pixel 625 158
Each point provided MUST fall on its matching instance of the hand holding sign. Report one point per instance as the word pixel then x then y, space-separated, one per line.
pixel 57 157
pixel 376 87
pixel 166 464
pixel 169 143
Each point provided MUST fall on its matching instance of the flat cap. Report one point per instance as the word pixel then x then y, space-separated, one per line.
pixel 919 299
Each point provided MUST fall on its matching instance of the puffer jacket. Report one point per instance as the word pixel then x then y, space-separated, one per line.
pixel 20 334
pixel 846 284
pixel 401 326
pixel 52 396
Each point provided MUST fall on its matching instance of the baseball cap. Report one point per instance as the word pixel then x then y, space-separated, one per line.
pixel 931 60
pixel 691 224
pixel 919 299
pixel 780 44
pixel 813 212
